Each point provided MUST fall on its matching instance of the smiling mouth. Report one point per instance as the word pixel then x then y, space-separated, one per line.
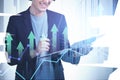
pixel 44 4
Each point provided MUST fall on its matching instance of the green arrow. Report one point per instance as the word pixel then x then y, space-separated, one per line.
pixel 31 38
pixel 9 39
pixel 20 48
pixel 65 36
pixel 54 31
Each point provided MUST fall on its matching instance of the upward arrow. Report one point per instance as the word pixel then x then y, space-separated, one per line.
pixel 54 31
pixel 9 39
pixel 65 34
pixel 20 49
pixel 31 38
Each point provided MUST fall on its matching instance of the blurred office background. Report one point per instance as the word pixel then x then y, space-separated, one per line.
pixel 80 16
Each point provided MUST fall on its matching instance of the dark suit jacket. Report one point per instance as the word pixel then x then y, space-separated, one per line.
pixel 20 27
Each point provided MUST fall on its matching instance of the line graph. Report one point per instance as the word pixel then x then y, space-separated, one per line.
pixel 20 53
pixel 72 49
pixel 3 73
pixel 63 52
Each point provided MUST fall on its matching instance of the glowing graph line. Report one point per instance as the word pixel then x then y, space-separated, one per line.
pixel 3 73
pixel 87 41
pixel 25 50
pixel 59 52
pixel 21 53
pixel 48 61
pixel 20 75
pixel 63 53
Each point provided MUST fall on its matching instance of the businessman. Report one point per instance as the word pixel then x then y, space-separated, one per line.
pixel 38 21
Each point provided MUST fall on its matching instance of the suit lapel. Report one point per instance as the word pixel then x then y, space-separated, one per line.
pixel 28 24
pixel 27 21
pixel 50 24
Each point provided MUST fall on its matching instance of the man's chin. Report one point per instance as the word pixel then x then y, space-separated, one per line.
pixel 42 10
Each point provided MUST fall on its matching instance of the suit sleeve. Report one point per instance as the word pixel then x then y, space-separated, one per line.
pixel 12 45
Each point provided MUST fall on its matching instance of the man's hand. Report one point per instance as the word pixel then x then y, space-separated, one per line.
pixel 84 46
pixel 43 46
